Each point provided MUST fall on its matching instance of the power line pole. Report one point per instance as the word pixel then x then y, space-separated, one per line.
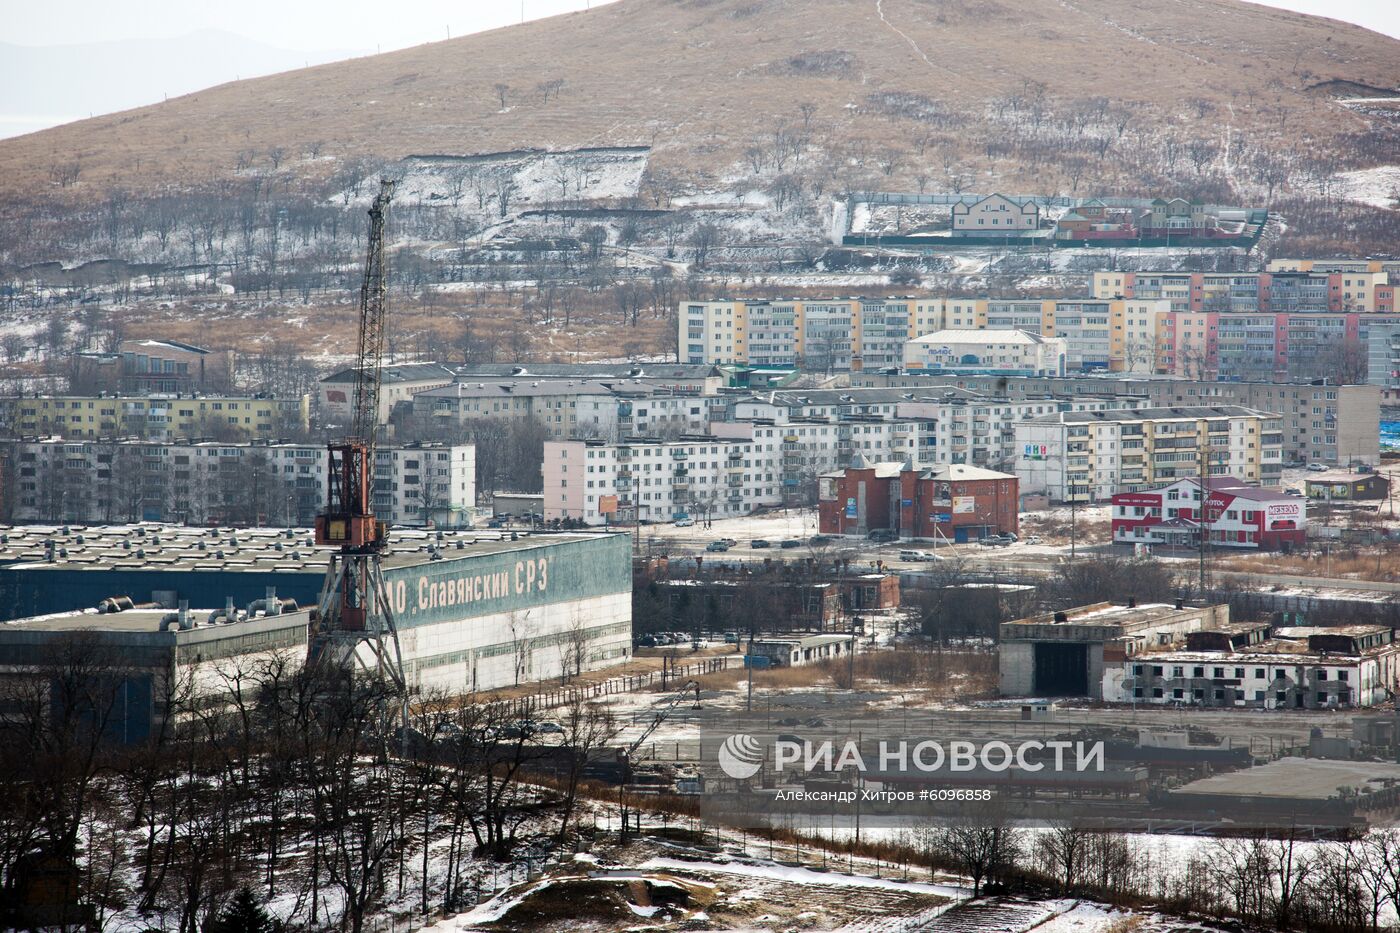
pixel 1203 470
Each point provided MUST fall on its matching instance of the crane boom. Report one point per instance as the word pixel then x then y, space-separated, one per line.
pixel 369 357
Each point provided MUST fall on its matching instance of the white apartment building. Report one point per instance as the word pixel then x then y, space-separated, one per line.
pixel 398 383
pixel 654 480
pixel 200 483
pixel 571 408
pixel 1089 456
pixel 996 352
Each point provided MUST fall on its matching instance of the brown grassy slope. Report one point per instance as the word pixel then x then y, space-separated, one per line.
pixel 700 78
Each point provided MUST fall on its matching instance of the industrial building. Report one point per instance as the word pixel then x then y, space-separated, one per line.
pixel 474 611
pixel 142 659
pixel 1066 653
pixel 1258 667
pixel 143 365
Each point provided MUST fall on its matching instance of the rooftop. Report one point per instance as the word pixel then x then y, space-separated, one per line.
pixel 174 547
pixel 1179 413
pixel 1297 778
pixel 140 621
pixel 969 335
pixel 526 386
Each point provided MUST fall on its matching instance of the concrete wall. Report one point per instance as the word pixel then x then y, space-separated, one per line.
pixel 1017 662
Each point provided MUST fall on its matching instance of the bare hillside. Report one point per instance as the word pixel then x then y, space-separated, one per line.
pixel 701 81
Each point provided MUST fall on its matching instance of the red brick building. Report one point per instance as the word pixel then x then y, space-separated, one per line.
pixel 954 501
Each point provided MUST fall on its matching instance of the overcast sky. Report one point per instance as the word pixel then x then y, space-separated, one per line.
pixel 363 25
pixel 52 81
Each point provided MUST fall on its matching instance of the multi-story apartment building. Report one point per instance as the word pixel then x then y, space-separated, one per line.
pixel 569 408
pixel 1089 456
pixel 932 427
pixel 1383 359
pixel 653 480
pixel 1252 291
pixel 1321 423
pixel 1389 266
pixel 207 482
pixel 995 352
pixel 156 417
pixel 864 334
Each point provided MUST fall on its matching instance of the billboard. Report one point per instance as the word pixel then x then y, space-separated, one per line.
pixel 964 505
pixel 851 507
pixel 1035 452
pixel 607 505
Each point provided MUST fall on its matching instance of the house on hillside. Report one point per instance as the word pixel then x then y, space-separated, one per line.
pixel 996 215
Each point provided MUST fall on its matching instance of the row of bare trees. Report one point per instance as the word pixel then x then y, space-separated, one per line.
pixel 1266 880
pixel 127 793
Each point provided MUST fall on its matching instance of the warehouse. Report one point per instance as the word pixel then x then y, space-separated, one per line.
pixel 474 611
pixel 133 663
pixel 1065 653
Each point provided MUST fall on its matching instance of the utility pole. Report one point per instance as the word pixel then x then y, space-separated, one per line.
pixel 1203 470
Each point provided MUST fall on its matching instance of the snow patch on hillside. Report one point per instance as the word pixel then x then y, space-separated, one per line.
pixel 1379 186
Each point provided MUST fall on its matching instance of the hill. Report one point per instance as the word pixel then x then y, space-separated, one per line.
pixel 886 89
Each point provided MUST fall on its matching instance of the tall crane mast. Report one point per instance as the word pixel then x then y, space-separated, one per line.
pixel 356 623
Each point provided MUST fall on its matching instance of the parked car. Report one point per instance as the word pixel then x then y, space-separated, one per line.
pixel 1291 492
pixel 996 541
pixel 730 541
pixel 731 638
pixel 916 555
pixel 1033 539
pixel 646 641
pixel 883 535
pixel 684 522
pixel 790 543
pixel 819 540
pixel 760 543
pixel 1318 468
pixel 549 727
pixel 717 546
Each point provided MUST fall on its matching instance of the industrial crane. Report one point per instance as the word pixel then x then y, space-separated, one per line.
pixel 355 609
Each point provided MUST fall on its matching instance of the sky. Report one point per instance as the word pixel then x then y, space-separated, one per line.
pixel 56 74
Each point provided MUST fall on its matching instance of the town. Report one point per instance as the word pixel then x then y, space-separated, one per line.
pixel 735 466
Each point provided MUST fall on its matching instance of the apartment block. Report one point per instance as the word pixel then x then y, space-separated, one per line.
pixel 866 334
pixel 211 483
pixel 398 383
pixel 654 480
pixel 1322 423
pixel 1281 291
pixel 156 417
pixel 1090 456
pixel 570 408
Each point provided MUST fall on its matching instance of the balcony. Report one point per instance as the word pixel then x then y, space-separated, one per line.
pixel 678 454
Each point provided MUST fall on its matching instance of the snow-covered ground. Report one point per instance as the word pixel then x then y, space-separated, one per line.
pixel 1378 187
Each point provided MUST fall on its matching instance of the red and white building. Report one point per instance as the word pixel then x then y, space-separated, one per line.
pixel 1237 515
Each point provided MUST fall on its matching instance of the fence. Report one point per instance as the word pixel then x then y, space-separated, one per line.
pixel 568 695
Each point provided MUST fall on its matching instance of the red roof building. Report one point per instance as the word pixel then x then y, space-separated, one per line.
pixel 954 501
pixel 1236 516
